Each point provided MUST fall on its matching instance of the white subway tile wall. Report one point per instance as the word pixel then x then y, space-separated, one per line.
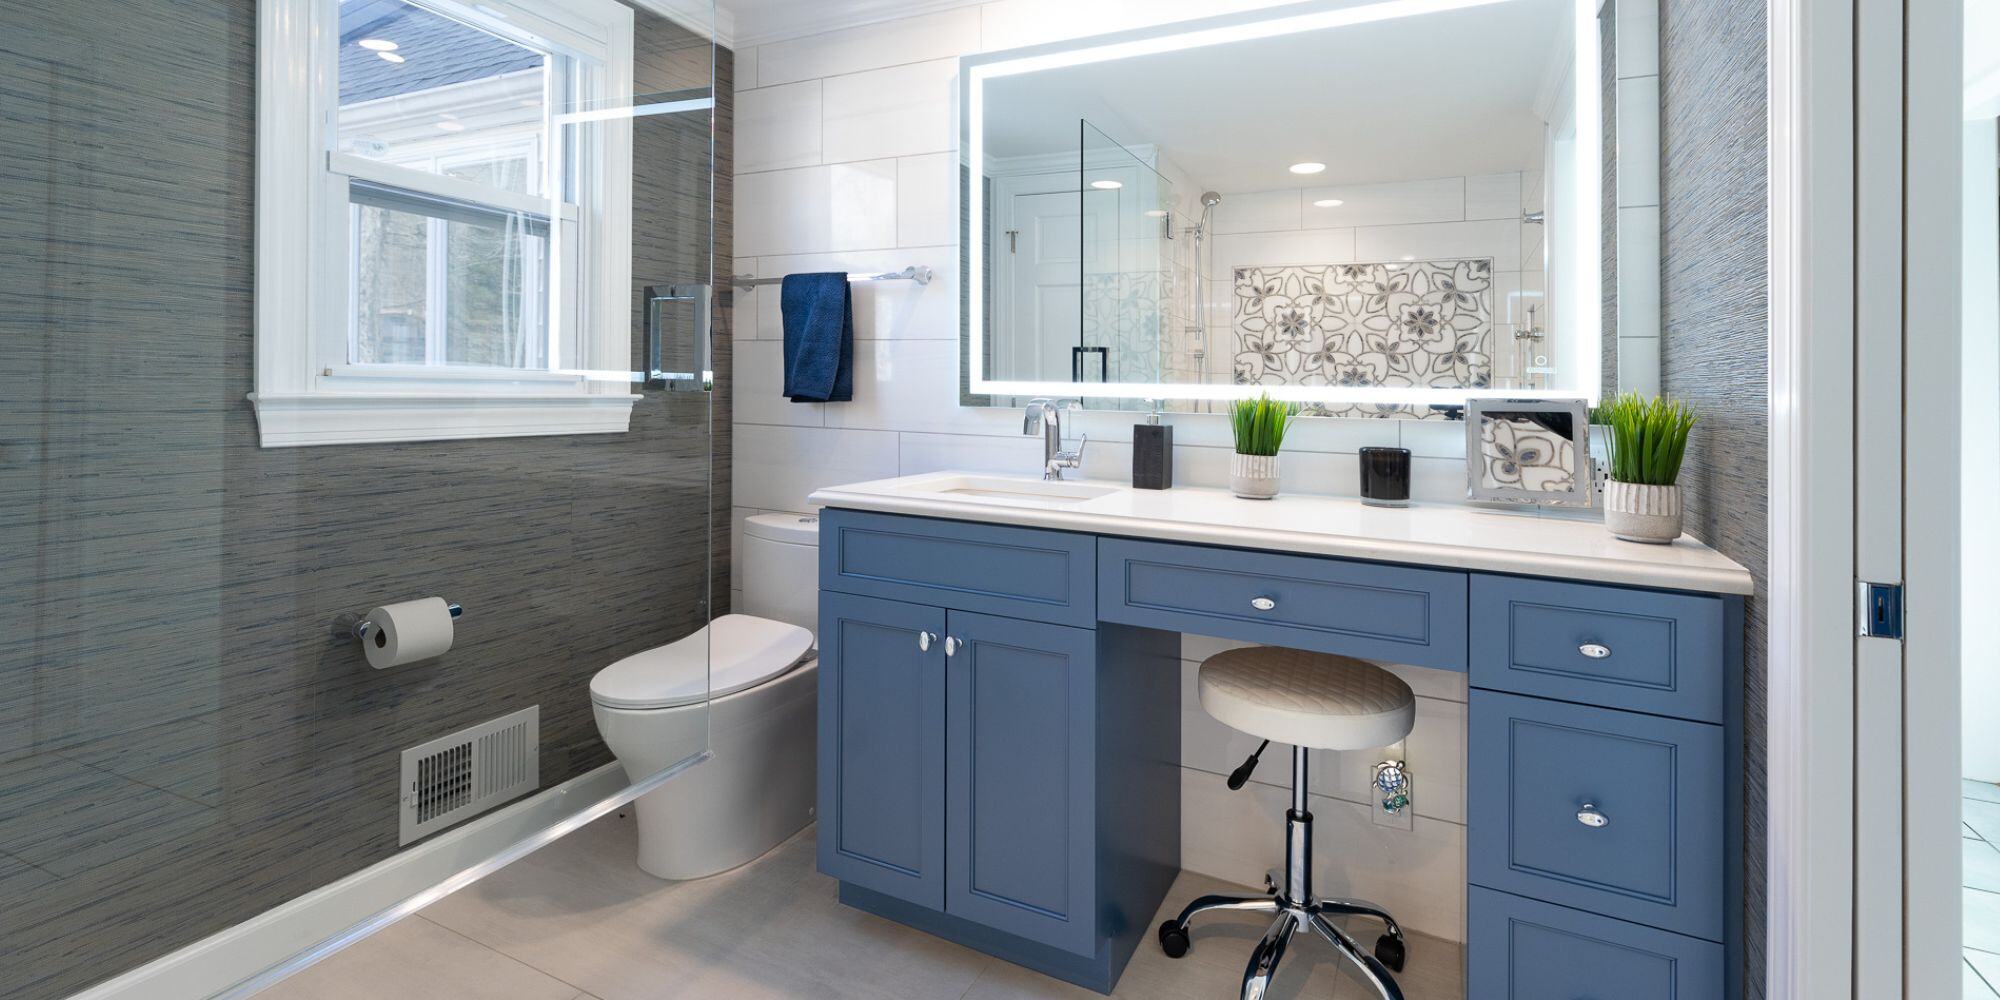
pixel 847 162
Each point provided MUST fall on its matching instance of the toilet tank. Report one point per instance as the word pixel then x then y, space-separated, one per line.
pixel 781 569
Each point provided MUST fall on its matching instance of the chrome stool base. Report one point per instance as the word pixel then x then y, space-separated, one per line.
pixel 1296 908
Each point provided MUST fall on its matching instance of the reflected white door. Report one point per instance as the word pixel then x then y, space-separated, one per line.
pixel 1039 262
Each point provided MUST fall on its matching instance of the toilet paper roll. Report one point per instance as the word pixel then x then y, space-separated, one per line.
pixel 408 631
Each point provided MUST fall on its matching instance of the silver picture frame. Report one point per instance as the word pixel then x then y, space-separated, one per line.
pixel 1529 451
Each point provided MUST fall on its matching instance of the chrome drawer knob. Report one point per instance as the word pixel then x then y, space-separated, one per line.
pixel 924 640
pixel 1590 817
pixel 951 645
pixel 1596 651
pixel 1263 603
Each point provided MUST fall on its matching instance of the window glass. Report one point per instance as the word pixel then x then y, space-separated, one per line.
pixel 443 283
pixel 424 91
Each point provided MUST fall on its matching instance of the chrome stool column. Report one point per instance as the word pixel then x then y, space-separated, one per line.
pixel 1310 700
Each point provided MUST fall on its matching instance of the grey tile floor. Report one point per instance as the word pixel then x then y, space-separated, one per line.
pixel 578 921
pixel 1982 890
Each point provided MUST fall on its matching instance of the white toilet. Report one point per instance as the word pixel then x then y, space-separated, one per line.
pixel 759 676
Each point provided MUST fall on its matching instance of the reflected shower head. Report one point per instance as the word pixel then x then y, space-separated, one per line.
pixel 1209 199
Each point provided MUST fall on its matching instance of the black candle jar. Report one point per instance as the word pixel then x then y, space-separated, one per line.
pixel 1385 477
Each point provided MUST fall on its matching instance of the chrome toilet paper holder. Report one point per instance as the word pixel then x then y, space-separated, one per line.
pixel 349 625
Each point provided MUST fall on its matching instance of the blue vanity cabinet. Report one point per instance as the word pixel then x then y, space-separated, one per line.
pixel 882 746
pixel 1522 949
pixel 1021 779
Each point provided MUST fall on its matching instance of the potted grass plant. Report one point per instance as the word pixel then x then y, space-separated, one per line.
pixel 1260 426
pixel 1642 499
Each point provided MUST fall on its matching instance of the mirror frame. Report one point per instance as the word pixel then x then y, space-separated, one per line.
pixel 1586 299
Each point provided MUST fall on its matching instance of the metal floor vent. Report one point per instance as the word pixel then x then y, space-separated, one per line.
pixel 469 772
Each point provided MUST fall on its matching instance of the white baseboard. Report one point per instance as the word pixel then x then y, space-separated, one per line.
pixel 219 962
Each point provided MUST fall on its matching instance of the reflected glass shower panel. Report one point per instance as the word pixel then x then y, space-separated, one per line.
pixel 1127 223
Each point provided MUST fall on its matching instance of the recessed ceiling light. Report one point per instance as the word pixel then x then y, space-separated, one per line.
pixel 1107 185
pixel 378 45
pixel 1307 168
pixel 1328 203
pixel 391 56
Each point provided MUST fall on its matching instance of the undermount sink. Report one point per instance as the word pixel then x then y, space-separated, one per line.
pixel 1039 492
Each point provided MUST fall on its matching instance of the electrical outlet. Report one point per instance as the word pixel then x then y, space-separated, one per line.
pixel 1392 792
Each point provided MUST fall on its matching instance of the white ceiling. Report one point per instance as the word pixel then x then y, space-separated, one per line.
pixel 1435 95
pixel 756 22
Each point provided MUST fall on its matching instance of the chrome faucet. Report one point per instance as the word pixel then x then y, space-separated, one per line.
pixel 1044 417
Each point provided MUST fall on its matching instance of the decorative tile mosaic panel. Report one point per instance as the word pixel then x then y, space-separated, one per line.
pixel 1405 323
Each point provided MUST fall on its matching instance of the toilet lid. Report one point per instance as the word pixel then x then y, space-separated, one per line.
pixel 730 654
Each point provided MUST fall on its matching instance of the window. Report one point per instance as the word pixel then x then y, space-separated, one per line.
pixel 444 243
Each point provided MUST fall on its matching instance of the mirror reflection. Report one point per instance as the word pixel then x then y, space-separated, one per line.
pixel 1369 217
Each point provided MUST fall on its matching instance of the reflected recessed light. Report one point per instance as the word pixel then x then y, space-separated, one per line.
pixel 1328 203
pixel 378 45
pixel 1308 168
pixel 1158 213
pixel 451 127
pixel 1107 185
pixel 391 56
pixel 1408 257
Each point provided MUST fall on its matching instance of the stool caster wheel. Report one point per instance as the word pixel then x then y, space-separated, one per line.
pixel 1388 951
pixel 1173 939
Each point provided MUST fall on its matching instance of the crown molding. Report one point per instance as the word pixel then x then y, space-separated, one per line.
pixel 695 15
pixel 831 15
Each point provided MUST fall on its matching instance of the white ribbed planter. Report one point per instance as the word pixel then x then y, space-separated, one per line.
pixel 1641 513
pixel 1254 477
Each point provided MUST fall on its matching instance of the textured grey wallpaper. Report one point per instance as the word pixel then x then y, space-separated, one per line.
pixel 1714 351
pixel 182 742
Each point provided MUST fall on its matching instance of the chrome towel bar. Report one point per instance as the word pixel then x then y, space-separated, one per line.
pixel 918 274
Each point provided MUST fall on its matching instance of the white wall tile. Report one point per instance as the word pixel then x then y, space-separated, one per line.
pixel 1013 23
pixel 760 387
pixel 925 214
pixel 1434 438
pixel 776 467
pixel 882 309
pixel 899 111
pixel 778 127
pixel 1419 874
pixel 846 206
pixel 1639 131
pixel 1437 480
pixel 1498 239
pixel 1257 212
pixel 912 385
pixel 1638 299
pixel 1434 751
pixel 1493 196
pixel 906 40
pixel 1394 203
pixel 1310 246
pixel 1638 34
pixel 969 453
pixel 746 69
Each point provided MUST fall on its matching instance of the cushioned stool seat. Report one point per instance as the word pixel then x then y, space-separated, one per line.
pixel 1316 700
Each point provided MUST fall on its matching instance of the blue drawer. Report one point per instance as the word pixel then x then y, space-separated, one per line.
pixel 1658 858
pixel 1656 652
pixel 1522 949
pixel 1395 613
pixel 1015 572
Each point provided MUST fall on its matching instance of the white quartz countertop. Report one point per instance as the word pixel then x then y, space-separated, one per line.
pixel 1446 535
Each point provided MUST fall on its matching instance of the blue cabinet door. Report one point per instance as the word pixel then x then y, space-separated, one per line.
pixel 881 746
pixel 1523 949
pixel 1021 828
pixel 1612 812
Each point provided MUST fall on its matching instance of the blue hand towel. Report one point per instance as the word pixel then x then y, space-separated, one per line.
pixel 819 338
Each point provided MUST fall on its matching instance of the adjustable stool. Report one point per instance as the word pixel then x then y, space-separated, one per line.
pixel 1309 700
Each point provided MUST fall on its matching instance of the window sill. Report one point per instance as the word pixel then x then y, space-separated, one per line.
pixel 289 421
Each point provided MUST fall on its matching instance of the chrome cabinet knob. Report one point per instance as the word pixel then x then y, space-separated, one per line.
pixel 1594 650
pixel 1263 603
pixel 951 645
pixel 924 640
pixel 1590 817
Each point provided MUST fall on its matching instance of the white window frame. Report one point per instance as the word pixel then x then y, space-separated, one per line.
pixel 307 393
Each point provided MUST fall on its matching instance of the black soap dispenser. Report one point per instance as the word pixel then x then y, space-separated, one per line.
pixel 1152 453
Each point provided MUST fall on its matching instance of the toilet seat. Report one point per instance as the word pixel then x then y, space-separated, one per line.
pixel 730 654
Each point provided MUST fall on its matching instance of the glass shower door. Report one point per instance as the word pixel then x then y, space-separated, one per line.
pixel 1127 221
pixel 187 739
